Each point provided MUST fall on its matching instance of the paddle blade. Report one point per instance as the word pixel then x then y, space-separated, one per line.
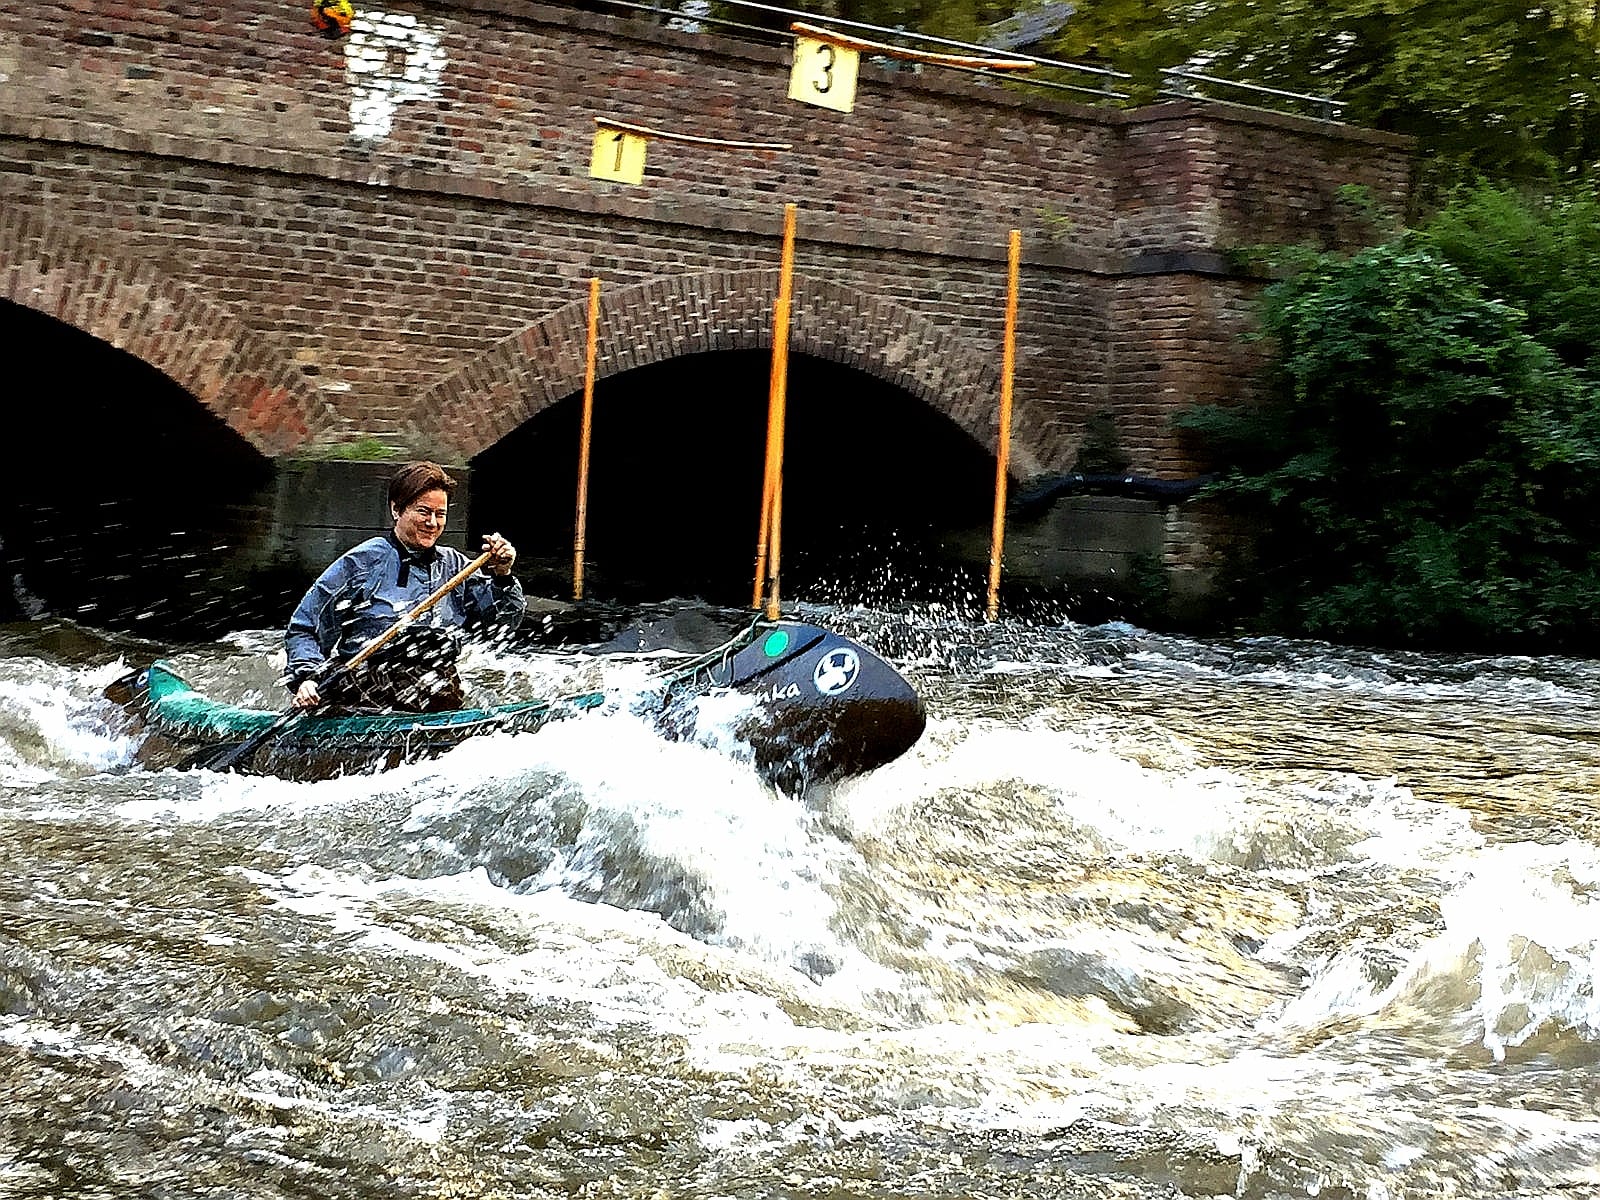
pixel 228 756
pixel 232 756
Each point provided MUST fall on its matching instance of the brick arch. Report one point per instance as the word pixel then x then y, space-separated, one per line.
pixel 475 406
pixel 236 372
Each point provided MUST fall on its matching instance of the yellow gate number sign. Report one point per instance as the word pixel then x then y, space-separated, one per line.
pixel 618 155
pixel 824 74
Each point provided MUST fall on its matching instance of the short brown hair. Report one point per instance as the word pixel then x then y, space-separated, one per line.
pixel 411 480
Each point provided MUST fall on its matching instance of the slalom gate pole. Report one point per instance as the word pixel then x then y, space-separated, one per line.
pixel 578 540
pixel 769 538
pixel 1002 451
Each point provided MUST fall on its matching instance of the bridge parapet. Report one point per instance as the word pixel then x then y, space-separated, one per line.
pixel 382 218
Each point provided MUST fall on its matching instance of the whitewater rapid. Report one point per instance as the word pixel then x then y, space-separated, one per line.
pixel 1139 915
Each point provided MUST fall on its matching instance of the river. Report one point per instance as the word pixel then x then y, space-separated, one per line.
pixel 1140 916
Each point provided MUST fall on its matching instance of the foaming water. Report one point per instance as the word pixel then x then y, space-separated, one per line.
pixel 53 723
pixel 1509 964
pixel 1138 915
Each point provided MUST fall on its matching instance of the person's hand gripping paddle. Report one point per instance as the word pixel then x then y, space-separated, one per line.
pixel 226 757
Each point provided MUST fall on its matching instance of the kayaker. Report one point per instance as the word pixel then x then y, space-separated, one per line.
pixel 366 590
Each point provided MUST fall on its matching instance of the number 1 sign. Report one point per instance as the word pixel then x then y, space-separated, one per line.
pixel 619 148
pixel 618 155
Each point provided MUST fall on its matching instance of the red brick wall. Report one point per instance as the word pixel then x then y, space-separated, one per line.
pixel 187 178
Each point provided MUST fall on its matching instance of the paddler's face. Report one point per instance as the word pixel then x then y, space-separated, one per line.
pixel 420 523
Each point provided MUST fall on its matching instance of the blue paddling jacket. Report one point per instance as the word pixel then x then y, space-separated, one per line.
pixel 367 589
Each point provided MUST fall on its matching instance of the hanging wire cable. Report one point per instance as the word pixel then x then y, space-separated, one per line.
pixel 1099 84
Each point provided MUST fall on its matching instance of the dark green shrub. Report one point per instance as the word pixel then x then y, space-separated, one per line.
pixel 1423 468
pixel 1541 253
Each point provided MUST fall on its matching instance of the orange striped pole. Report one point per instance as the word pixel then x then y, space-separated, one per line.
pixel 583 439
pixel 1002 451
pixel 769 538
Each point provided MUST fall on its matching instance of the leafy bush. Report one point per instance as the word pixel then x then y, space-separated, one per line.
pixel 365 449
pixel 1541 253
pixel 1423 466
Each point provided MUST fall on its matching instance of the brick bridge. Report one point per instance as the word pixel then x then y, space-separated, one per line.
pixel 388 237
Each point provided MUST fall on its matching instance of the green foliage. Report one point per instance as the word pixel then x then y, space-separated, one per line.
pixel 963 19
pixel 1149 590
pixel 1495 89
pixel 1100 452
pixel 1539 253
pixel 366 449
pixel 960 19
pixel 1058 226
pixel 1425 468
pixel 1491 87
pixel 1137 36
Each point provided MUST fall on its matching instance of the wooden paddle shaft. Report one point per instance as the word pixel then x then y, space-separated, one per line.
pixel 388 635
pixel 226 757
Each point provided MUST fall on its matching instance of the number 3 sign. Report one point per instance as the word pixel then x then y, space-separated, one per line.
pixel 824 74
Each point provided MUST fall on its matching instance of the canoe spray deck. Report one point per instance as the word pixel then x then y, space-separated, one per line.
pixel 823 707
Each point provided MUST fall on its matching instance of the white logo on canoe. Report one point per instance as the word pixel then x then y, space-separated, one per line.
pixel 836 672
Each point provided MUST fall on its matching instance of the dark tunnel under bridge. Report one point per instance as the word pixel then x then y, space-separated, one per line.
pixel 141 510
